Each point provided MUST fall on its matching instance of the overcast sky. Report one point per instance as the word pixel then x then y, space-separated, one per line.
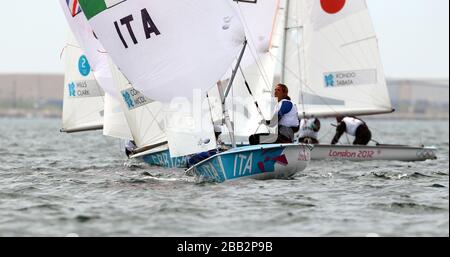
pixel 413 35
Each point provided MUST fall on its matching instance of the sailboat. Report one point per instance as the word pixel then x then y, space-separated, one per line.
pixel 331 58
pixel 83 97
pixel 148 44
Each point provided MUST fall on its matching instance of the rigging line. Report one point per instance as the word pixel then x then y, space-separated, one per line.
pixel 210 109
pixel 251 93
pixel 256 57
pixel 330 130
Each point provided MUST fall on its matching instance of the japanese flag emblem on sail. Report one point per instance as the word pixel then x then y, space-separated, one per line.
pixel 327 12
pixel 74 7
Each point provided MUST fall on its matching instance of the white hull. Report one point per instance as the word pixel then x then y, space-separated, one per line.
pixel 372 153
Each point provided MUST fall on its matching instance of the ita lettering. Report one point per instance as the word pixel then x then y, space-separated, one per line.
pixel 128 24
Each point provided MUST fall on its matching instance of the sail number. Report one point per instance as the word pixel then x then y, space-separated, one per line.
pixel 148 25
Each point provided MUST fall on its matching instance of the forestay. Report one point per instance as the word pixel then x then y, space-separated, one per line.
pixel 83 98
pixel 332 61
pixel 166 48
pixel 90 45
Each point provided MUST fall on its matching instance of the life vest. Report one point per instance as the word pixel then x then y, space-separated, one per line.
pixel 352 125
pixel 287 114
pixel 307 129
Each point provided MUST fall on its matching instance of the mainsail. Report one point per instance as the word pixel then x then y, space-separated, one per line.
pixel 331 59
pixel 83 98
pixel 167 48
pixel 89 43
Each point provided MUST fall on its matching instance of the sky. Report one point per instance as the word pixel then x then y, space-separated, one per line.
pixel 413 37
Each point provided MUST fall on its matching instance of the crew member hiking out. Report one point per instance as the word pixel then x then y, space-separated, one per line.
pixel 354 127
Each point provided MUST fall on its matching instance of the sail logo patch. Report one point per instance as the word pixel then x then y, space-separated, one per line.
pixel 350 78
pixel 134 99
pixel 74 7
pixel 83 66
pixel 84 88
pixel 332 6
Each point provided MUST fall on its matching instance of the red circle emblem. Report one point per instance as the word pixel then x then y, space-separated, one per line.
pixel 332 6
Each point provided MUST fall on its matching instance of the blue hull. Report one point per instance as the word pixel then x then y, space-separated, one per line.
pixel 260 162
pixel 163 159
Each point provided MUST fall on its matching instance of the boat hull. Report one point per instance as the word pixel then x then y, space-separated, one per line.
pixel 163 159
pixel 372 153
pixel 261 162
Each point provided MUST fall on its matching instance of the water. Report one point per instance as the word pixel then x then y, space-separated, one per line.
pixel 53 184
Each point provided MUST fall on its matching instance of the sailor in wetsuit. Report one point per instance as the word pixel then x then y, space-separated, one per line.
pixel 354 127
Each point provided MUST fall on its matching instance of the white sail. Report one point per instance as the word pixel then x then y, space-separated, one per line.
pixel 89 43
pixel 167 48
pixel 144 116
pixel 331 59
pixel 259 19
pixel 115 124
pixel 188 126
pixel 83 97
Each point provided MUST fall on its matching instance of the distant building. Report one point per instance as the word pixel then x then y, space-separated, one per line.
pixel 31 93
pixel 420 98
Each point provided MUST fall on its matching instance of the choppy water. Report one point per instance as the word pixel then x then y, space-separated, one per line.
pixel 53 184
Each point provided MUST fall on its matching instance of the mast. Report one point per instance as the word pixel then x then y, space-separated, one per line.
pixel 224 95
pixel 285 34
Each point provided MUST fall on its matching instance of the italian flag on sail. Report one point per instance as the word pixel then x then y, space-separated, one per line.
pixel 93 7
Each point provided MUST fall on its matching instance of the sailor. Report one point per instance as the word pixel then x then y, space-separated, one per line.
pixel 354 127
pixel 130 146
pixel 285 117
pixel 309 131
